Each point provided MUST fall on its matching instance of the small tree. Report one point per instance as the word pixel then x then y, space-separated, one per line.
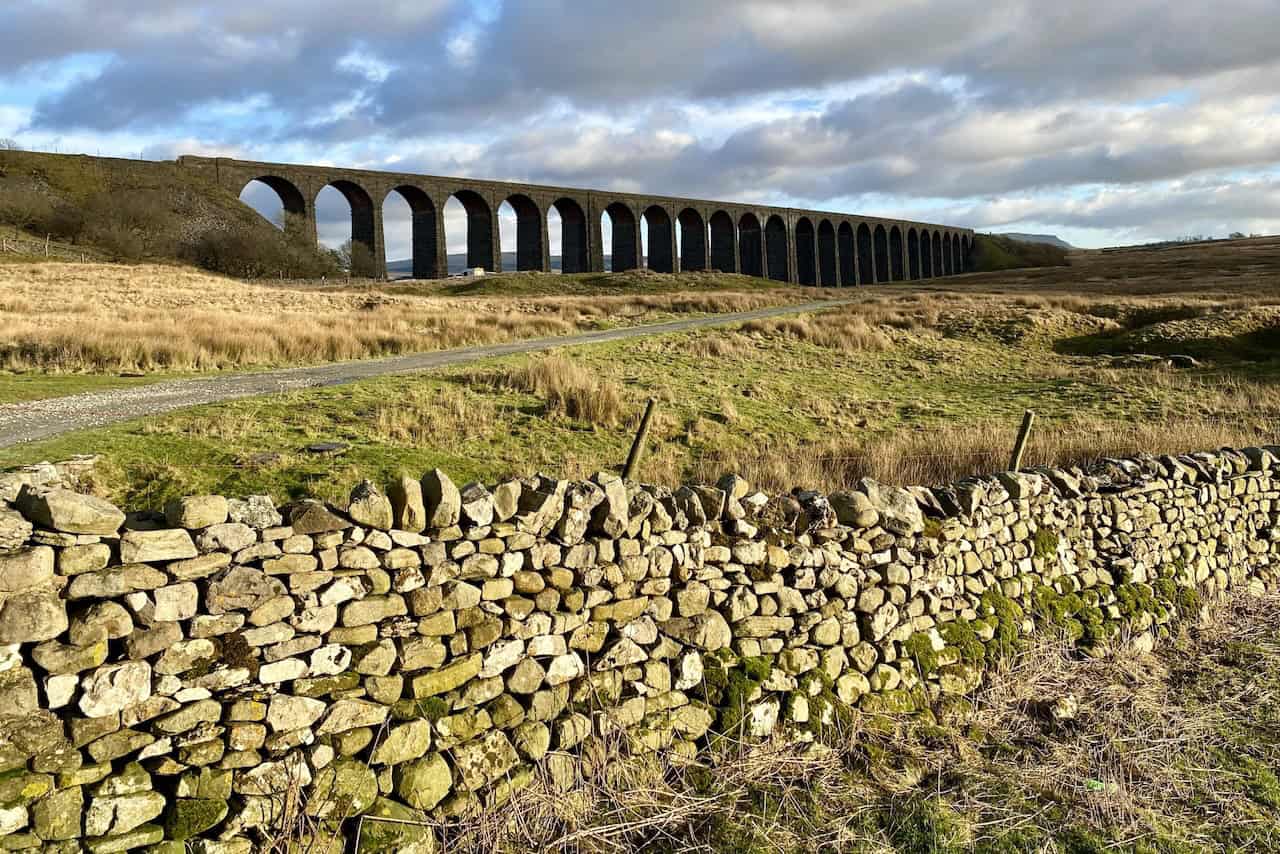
pixel 7 144
pixel 355 259
pixel 1236 235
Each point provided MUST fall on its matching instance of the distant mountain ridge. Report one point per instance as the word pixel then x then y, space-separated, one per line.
pixel 1051 239
pixel 458 263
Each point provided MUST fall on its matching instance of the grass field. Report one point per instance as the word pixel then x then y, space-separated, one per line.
pixel 916 384
pixel 87 323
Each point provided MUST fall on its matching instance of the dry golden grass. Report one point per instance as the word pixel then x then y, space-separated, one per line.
pixel 946 453
pixel 847 330
pixel 91 318
pixel 569 389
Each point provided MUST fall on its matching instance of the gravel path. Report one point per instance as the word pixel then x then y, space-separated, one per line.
pixel 42 419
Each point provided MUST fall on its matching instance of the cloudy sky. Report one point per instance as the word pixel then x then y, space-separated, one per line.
pixel 1104 122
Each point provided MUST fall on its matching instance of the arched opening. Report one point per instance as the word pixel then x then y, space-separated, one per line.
pixel 574 257
pixel 913 254
pixel 660 240
pixel 624 241
pixel 523 213
pixel 693 240
pixel 895 254
pixel 723 254
pixel 750 246
pixel 806 252
pixel 937 254
pixel 344 212
pixel 926 255
pixel 866 257
pixel 279 201
pixel 848 256
pixel 409 234
pixel 947 260
pixel 775 249
pixel 827 254
pixel 468 222
pixel 882 255
pixel 957 252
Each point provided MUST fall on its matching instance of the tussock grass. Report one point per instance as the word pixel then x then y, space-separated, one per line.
pixel 943 453
pixel 569 389
pixel 846 331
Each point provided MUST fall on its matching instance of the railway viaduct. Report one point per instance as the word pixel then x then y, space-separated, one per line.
pixel 784 244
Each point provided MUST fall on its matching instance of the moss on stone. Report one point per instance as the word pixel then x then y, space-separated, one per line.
pixel 1007 617
pixel 189 817
pixel 962 635
pixel 919 647
pixel 1045 542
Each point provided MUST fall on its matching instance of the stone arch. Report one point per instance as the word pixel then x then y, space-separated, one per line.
pixel 723 256
pixel 693 240
pixel 293 203
pixel 624 248
pixel 827 254
pixel 574 257
pixel 926 254
pixel 806 252
pixel 866 256
pixel 848 255
pixel 775 249
pixel 947 260
pixel 883 273
pixel 896 271
pixel 424 233
pixel 913 254
pixel 529 249
pixel 937 254
pixel 957 252
pixel 750 246
pixel 661 237
pixel 480 229
pixel 363 227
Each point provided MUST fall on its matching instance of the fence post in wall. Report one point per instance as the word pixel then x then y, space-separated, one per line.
pixel 1020 446
pixel 637 447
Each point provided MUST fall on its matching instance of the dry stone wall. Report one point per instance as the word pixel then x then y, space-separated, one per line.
pixel 210 676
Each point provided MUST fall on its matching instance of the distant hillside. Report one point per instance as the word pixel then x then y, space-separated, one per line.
pixel 1051 239
pixel 403 268
pixel 136 210
pixel 457 263
pixel 1002 252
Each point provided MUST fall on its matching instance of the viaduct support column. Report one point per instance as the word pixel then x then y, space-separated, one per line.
pixel 493 252
pixel 378 245
pixel 439 257
pixel 595 236
pixel 545 242
pixel 906 253
pixel 793 271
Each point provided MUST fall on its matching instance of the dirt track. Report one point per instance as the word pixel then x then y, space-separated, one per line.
pixel 42 419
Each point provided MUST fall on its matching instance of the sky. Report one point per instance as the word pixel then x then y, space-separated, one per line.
pixel 1102 122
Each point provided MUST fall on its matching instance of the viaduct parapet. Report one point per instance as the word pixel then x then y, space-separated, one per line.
pixel 784 244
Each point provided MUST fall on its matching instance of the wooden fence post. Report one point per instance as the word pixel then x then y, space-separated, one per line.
pixel 642 435
pixel 1020 446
